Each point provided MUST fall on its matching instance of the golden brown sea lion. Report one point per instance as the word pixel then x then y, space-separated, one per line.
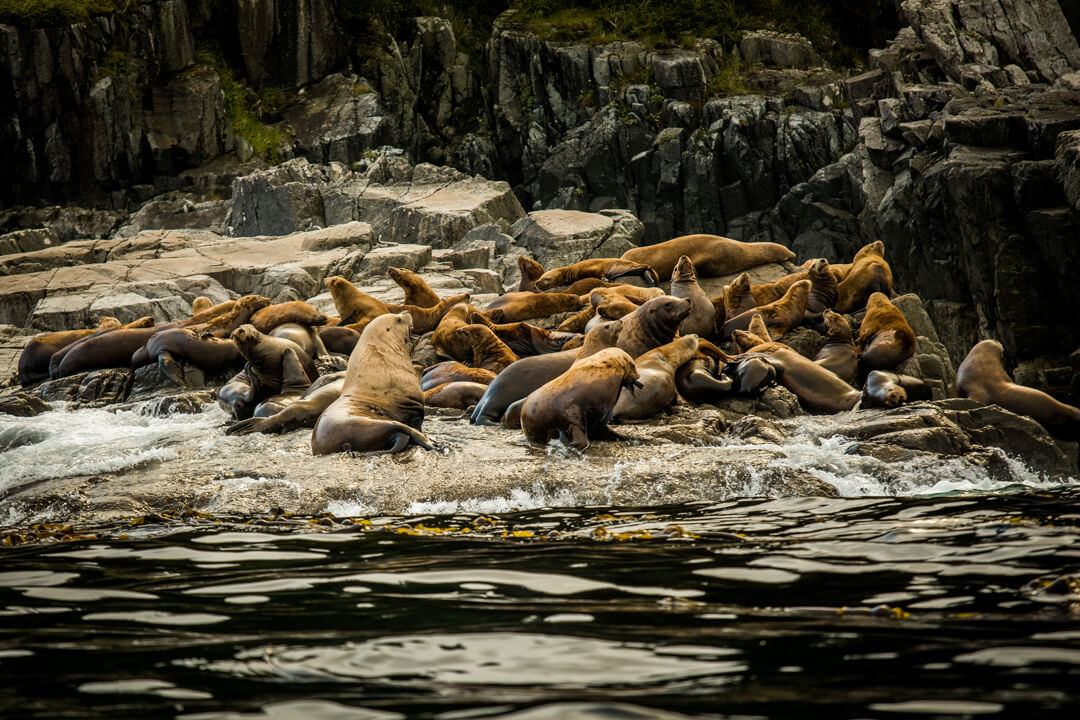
pixel 823 287
pixel 530 273
pixel 779 316
pixel 381 407
pixel 222 324
pixel 488 351
pixel 684 284
pixel 453 371
pixel 712 255
pixel 34 359
pixel 602 268
pixel 587 285
pixel 295 311
pixel 736 297
pixel 417 291
pixel 201 304
pixel 653 324
pixel 355 308
pixel 578 405
pixel 982 377
pixel 869 273
pixel 528 306
pixel 885 337
pixel 427 319
pixel 838 353
pixel 578 322
pixel 771 292
pixel 459 395
pixel 656 372
pixel 526 339
pixel 446 341
pixel 818 389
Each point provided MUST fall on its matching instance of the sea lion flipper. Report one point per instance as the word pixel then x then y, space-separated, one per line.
pixel 172 368
pixel 246 427
pixel 293 376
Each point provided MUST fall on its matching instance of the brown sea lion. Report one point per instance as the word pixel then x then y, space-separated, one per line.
pixel 528 306
pixel 527 374
pixel 381 407
pixel 301 414
pixel 701 380
pixel 622 291
pixel 201 304
pixel 446 341
pixel 712 255
pixel 263 372
pixel 177 348
pixel 295 311
pixel 736 297
pixel 656 373
pixel 578 405
pixel 222 324
pixel 305 336
pixel 427 319
pixel 530 273
pixel 453 371
pixel 603 268
pixel 340 340
pixel 488 351
pixel 823 287
pixel 982 377
pixel 771 292
pixel 885 337
pixel 869 273
pixel 578 322
pixel 818 389
pixel 883 389
pixel 684 284
pixel 34 359
pixel 355 308
pixel 587 285
pixel 208 314
pixel 779 316
pixel 457 395
pixel 652 324
pixel 103 349
pixel 417 291
pixel 294 383
pixel 838 354
pixel 526 339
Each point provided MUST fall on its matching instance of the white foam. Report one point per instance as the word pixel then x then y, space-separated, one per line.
pixel 517 499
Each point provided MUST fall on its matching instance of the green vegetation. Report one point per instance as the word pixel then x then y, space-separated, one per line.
pixel 45 13
pixel 730 80
pixel 246 108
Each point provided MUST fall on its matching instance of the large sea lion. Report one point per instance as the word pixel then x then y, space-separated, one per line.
pixel 381 407
pixel 529 373
pixel 712 255
pixel 838 353
pixel 982 377
pixel 518 306
pixel 869 273
pixel 652 324
pixel 34 359
pixel 453 371
pixel 427 319
pixel 779 316
pixel 823 287
pixel 684 284
pixel 176 348
pixel 103 349
pixel 459 395
pixel 417 291
pixel 818 389
pixel 656 373
pixel 355 307
pixel 771 292
pixel 601 268
pixel 340 340
pixel 701 380
pixel 578 405
pixel 295 311
pixel 264 373
pixel 885 337
pixel 300 414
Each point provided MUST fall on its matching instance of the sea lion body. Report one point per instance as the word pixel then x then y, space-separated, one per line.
pixel 779 316
pixel 458 395
pixel 453 371
pixel 712 255
pixel 823 287
pixel 700 380
pixel 885 337
pixel 883 389
pixel 982 377
pixel 354 307
pixel 34 359
pixel 684 284
pixel 488 351
pixel 526 339
pixel 175 348
pixel 771 292
pixel 265 373
pixel 818 389
pixel 426 319
pixel 869 273
pixel 300 414
pixel 381 407
pixel 656 373
pixel 305 336
pixel 600 268
pixel 838 353
pixel 652 324
pixel 417 291
pixel 519 306
pixel 222 323
pixel 340 340
pixel 448 343
pixel 110 349
pixel 295 311
pixel 578 405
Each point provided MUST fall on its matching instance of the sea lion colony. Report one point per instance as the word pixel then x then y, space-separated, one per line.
pixel 610 352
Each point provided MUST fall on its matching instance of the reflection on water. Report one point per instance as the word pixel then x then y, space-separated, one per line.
pixel 956 606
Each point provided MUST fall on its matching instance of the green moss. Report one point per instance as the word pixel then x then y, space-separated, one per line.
pixel 244 108
pixel 729 81
pixel 47 13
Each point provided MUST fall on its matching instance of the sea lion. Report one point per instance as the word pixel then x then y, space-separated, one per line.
pixel 488 351
pixel 771 292
pixel 263 374
pixel 300 414
pixel 823 287
pixel 530 271
pixel 756 337
pixel 736 297
pixel 982 377
pixel 838 354
pixel 525 339
pixel 585 286
pixel 700 380
pixel 528 306
pixel 779 316
pixel 885 337
pixel 355 308
pixel 381 407
pixel 34 358
pixel 103 349
pixel 578 405
pixel 527 374
pixel 174 349
pixel 578 322
pixel 603 268
pixel 656 373
pixel 201 304
pixel 417 291
pixel 427 319
pixel 446 341
pixel 457 395
pixel 222 324
pixel 752 374
pixel 453 371
pixel 818 389
pixel 684 284
pixel 340 340
pixel 294 383
pixel 305 336
pixel 295 311
pixel 869 273
pixel 883 389
pixel 652 324
pixel 712 255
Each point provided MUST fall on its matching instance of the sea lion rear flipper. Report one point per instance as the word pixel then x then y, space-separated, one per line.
pixel 172 368
pixel 603 432
pixel 246 427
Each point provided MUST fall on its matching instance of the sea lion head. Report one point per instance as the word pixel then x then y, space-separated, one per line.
pixel 392 327
pixel 819 267
pixel 606 332
pixel 876 301
pixel 108 323
pixel 875 248
pixel 800 289
pixel 254 302
pixel 745 340
pixel 836 326
pixel 684 270
pixel 529 268
pixel 399 274
pixel 667 311
pixel 245 337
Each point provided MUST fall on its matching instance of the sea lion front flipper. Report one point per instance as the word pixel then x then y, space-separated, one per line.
pixel 603 432
pixel 246 427
pixel 294 379
pixel 172 368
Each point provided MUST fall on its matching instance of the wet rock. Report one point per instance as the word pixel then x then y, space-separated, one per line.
pixel 775 403
pixel 23 404
pixel 803 340
pixel 755 429
pixel 89 389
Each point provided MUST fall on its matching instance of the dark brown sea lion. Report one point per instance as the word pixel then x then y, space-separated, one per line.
pixel 752 374
pixel 488 351
pixel 656 373
pixel 381 407
pixel 818 389
pixel 417 291
pixel 530 273
pixel 885 337
pixel 355 308
pixel 578 405
pixel 34 359
pixel 684 284
pixel 869 273
pixel 301 414
pixel 103 349
pixel 578 322
pixel 527 374
pixel 263 374
pixel 174 349
pixel 823 287
pixel 982 377
pixel 295 311
pixel 652 324
pixel 602 268
pixel 340 340
pixel 701 380
pixel 453 371
pixel 294 383
pixel 303 335
pixel 457 395
pixel 779 316
pixel 518 306
pixel 587 285
pixel 712 255
pixel 525 339
pixel 838 353
pixel 427 319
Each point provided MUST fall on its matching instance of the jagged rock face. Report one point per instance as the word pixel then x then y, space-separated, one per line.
pixel 187 125
pixel 289 42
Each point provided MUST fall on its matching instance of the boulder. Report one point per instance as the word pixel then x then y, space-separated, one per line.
pixel 562 237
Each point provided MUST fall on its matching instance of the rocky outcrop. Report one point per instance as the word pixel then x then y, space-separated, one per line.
pixel 289 42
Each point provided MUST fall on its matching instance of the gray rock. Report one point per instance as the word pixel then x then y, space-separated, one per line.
pixel 340 118
pixel 22 404
pixel 23 241
pixel 778 49
pixel 186 124
pixel 289 42
pixel 562 237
